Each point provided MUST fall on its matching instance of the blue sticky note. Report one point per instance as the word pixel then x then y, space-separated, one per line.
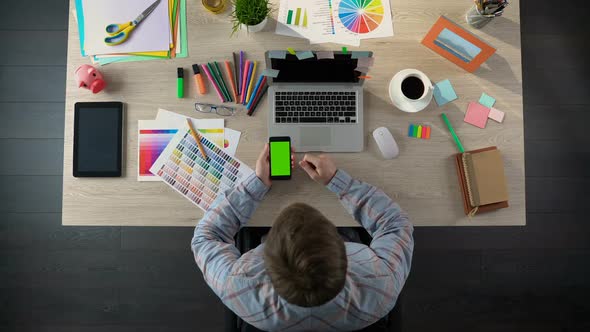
pixel 359 54
pixel 486 100
pixel 277 54
pixel 270 73
pixel 411 130
pixel 302 55
pixel 444 92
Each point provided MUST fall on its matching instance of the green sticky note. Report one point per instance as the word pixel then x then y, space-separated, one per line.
pixel 291 50
pixel 344 50
pixel 415 131
pixel 486 100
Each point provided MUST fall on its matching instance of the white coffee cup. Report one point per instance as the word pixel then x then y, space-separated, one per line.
pixel 410 90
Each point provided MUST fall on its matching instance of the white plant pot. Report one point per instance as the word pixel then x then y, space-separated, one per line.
pixel 258 27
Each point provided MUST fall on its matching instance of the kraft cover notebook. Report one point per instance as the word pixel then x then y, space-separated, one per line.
pixel 482 180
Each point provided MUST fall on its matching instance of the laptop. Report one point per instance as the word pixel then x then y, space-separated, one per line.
pixel 317 102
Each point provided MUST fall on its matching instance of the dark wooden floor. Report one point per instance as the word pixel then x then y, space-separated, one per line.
pixel 55 278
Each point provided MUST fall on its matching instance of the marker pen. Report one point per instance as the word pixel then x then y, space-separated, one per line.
pixel 199 80
pixel 180 83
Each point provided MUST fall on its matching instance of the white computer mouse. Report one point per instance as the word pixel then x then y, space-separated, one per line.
pixel 386 143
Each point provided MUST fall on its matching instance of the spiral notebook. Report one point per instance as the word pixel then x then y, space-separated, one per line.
pixel 482 180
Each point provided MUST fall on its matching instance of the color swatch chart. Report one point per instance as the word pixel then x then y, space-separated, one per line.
pixel 199 180
pixel 361 16
pixel 297 17
pixel 151 144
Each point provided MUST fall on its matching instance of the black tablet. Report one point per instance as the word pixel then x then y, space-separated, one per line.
pixel 98 139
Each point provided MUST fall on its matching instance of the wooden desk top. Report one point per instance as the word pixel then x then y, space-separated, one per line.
pixel 422 179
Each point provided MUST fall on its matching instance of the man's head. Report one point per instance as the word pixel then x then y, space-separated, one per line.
pixel 305 257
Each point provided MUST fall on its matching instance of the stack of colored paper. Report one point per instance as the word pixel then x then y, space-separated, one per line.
pixel 160 35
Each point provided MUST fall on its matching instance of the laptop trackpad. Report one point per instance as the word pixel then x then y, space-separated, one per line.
pixel 315 136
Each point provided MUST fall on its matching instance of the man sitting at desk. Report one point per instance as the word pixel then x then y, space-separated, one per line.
pixel 304 277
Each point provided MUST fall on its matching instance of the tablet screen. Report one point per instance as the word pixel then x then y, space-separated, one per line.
pixel 97 139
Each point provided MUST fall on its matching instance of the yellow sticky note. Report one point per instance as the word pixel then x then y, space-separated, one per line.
pixel 291 50
pixel 419 132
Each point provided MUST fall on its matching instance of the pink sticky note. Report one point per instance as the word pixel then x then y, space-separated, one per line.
pixel 496 115
pixel 477 115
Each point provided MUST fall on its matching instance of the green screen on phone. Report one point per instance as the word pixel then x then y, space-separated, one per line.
pixel 280 159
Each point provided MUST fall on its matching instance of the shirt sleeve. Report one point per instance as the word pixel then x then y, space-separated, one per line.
pixel 389 226
pixel 213 242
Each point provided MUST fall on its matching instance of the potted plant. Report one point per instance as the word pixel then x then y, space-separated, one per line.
pixel 251 13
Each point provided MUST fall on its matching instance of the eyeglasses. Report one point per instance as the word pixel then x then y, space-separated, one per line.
pixel 220 110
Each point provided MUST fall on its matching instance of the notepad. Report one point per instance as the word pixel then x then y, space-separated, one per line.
pixel 482 180
pixel 486 182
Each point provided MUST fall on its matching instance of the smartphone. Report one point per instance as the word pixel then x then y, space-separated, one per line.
pixel 98 139
pixel 280 157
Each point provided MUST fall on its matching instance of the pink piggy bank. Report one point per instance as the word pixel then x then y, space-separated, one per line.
pixel 90 78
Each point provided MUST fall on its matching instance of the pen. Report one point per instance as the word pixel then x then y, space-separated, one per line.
pixel 244 79
pixel 259 83
pixel 197 138
pixel 457 141
pixel 223 85
pixel 199 80
pixel 240 73
pixel 180 83
pixel 214 75
pixel 251 84
pixel 257 101
pixel 213 83
pixel 228 68
pixel 237 73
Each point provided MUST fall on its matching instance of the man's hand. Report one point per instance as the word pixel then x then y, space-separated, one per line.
pixel 320 168
pixel 263 165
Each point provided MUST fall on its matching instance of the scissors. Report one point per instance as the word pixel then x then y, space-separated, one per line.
pixel 118 33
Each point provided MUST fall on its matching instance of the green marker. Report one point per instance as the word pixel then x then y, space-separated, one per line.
pixel 180 83
pixel 457 141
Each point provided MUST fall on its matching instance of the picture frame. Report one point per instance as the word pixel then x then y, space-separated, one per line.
pixel 457 45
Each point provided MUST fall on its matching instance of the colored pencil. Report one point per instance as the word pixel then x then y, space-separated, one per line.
pixel 255 91
pixel 217 72
pixel 257 101
pixel 197 138
pixel 251 80
pixel 457 141
pixel 206 70
pixel 248 76
pixel 244 76
pixel 231 79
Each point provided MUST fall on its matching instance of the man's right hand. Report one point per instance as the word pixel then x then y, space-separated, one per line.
pixel 320 168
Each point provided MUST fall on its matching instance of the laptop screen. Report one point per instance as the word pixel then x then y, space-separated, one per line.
pixel 341 69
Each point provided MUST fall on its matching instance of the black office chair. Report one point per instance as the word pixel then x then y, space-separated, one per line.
pixel 249 238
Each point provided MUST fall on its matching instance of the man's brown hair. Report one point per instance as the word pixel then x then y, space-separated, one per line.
pixel 305 257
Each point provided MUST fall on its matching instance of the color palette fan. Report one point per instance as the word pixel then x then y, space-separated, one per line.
pixel 361 16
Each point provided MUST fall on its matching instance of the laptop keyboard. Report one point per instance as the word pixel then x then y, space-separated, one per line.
pixel 315 107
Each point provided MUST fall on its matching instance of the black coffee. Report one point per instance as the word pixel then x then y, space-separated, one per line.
pixel 412 87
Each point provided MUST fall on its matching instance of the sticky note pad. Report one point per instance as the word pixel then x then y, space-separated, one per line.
pixel 426 132
pixel 324 54
pixel 477 115
pixel 291 50
pixel 486 100
pixel 277 54
pixel 359 54
pixel 304 55
pixel 444 92
pixel 270 73
pixel 496 115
